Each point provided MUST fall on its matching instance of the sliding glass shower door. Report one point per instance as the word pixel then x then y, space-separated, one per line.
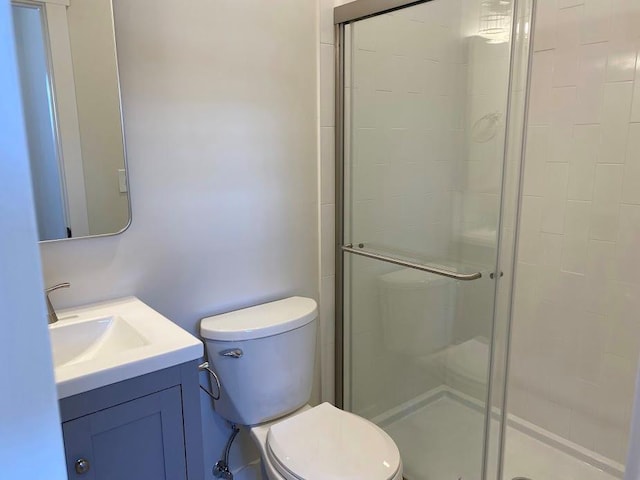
pixel 422 116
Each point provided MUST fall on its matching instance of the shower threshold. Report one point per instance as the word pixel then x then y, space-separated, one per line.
pixel 438 436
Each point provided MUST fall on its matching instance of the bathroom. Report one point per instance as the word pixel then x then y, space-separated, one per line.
pixel 230 125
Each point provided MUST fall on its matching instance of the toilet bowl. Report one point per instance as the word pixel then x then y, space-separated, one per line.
pixel 264 359
pixel 417 311
pixel 326 443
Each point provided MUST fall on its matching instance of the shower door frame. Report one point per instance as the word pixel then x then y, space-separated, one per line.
pixel 360 10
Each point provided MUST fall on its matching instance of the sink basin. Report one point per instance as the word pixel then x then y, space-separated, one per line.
pixel 87 339
pixel 104 343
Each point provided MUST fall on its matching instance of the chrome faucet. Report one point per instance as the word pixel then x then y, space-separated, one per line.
pixel 52 317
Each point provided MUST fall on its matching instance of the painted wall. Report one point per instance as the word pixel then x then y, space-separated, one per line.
pixel 98 103
pixel 220 107
pixel 576 330
pixel 30 434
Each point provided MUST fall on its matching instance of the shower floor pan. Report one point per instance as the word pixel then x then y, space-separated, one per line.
pixel 439 438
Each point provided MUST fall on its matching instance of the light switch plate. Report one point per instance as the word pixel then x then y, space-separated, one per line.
pixel 122 180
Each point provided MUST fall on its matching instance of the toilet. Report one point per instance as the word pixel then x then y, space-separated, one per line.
pixel 417 311
pixel 264 358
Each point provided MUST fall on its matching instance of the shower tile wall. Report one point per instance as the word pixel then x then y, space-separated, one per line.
pixel 576 327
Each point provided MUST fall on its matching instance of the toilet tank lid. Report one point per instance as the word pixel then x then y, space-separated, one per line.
pixel 260 321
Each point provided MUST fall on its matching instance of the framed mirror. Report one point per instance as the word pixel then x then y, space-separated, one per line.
pixel 68 67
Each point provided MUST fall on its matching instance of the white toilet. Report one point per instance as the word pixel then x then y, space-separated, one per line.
pixel 264 357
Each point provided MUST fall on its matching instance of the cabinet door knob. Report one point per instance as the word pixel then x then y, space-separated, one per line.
pixel 82 466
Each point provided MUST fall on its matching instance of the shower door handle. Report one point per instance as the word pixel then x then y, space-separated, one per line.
pixel 416 266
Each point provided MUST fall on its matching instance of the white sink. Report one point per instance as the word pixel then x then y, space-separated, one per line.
pixel 108 342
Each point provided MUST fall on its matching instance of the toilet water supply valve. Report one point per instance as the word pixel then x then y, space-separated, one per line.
pixel 221 468
pixel 205 366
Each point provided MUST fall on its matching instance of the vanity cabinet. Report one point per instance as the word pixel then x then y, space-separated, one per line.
pixel 144 427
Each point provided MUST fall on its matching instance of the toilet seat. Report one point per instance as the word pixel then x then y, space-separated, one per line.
pixel 330 444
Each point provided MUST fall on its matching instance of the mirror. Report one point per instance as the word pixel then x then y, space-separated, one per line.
pixel 71 94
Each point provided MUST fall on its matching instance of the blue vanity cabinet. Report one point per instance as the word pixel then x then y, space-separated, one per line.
pixel 143 428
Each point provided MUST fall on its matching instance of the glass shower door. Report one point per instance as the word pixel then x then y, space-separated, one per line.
pixel 425 94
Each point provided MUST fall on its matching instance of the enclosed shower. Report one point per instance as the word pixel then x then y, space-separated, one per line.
pixel 488 232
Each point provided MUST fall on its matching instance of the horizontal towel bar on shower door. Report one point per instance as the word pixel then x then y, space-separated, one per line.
pixel 416 266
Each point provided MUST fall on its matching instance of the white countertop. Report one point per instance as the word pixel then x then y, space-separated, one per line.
pixel 104 343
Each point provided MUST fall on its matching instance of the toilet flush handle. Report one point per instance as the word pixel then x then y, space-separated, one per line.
pixel 232 352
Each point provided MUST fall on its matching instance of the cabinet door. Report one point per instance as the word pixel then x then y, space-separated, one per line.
pixel 139 439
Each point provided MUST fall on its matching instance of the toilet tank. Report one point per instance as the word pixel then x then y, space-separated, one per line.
pixel 264 357
pixel 417 311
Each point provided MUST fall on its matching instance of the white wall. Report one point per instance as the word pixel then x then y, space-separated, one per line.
pixel 30 434
pixel 576 330
pixel 220 111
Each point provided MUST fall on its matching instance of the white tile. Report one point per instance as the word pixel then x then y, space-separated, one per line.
pixel 582 165
pixel 577 219
pixel 625 19
pixel 366 181
pixel 615 122
pixel 564 107
pixel 546 25
pixel 529 248
pixel 327 86
pixel 601 261
pixel 635 106
pixel 621 61
pixel 606 200
pixel 575 241
pixel 364 70
pixel 551 249
pixel 367 34
pixel 541 101
pixel 327 165
pixel 328 373
pixel 562 145
pixel 568 26
pixel 387 67
pixel 596 21
pixel 569 3
pixel 555 191
pixel 531 214
pixel 628 252
pixel 591 76
pixel 631 181
pixel 537 152
pixel 327 309
pixel 625 332
pixel 574 254
pixel 326 21
pixel 363 109
pixel 584 426
pixel 565 66
pixel 327 264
